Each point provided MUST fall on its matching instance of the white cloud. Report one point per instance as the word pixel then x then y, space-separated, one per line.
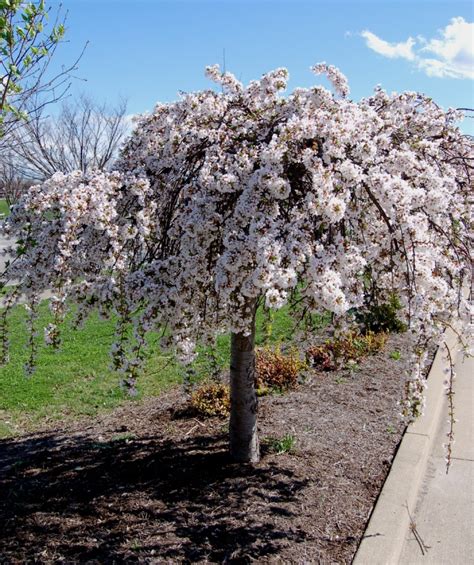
pixel 455 51
pixel 450 55
pixel 402 50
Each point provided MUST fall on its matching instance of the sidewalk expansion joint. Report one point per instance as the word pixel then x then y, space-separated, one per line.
pixel 417 434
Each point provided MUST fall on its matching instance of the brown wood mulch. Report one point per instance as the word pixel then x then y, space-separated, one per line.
pixel 145 484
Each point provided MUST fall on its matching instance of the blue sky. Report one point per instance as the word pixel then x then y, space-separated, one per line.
pixel 148 50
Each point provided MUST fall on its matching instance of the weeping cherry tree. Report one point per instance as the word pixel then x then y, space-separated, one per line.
pixel 225 200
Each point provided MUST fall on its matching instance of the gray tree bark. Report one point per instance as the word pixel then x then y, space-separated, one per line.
pixel 244 445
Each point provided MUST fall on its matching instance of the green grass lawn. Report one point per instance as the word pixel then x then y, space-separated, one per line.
pixel 77 379
pixel 74 381
pixel 4 208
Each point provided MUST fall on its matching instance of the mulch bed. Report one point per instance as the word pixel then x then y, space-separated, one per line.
pixel 145 484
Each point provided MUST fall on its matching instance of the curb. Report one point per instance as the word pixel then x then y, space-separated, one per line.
pixel 384 537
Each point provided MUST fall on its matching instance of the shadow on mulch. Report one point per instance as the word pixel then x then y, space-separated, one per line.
pixel 184 499
pixel 149 483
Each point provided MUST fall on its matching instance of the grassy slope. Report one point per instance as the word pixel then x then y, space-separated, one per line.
pixel 4 209
pixel 73 381
pixel 77 379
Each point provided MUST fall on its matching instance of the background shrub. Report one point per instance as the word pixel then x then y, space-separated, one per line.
pixel 349 347
pixel 277 370
pixel 211 399
pixel 382 317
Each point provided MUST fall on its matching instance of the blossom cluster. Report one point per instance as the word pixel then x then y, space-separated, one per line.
pixel 224 199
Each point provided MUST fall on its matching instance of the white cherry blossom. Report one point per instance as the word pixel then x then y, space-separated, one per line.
pixel 226 198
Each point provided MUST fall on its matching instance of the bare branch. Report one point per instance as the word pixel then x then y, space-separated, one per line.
pixel 84 136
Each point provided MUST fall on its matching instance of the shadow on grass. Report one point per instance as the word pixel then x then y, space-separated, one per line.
pixel 143 499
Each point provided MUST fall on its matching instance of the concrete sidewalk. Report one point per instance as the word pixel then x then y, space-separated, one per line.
pixel 441 505
pixel 4 243
pixel 444 511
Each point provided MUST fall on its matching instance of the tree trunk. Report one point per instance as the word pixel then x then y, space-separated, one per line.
pixel 244 444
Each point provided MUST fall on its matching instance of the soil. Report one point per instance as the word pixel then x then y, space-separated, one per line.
pixel 148 484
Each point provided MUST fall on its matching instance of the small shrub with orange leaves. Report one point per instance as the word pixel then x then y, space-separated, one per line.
pixel 211 399
pixel 277 370
pixel 322 357
pixel 350 346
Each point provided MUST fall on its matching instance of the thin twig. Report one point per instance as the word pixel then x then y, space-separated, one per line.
pixel 450 395
pixel 190 431
pixel 423 547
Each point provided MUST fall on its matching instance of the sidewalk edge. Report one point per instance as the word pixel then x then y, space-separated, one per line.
pixel 389 523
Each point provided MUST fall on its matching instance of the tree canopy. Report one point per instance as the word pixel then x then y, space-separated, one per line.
pixel 227 199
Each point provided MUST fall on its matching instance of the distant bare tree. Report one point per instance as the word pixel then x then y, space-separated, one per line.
pixel 85 135
pixel 12 182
